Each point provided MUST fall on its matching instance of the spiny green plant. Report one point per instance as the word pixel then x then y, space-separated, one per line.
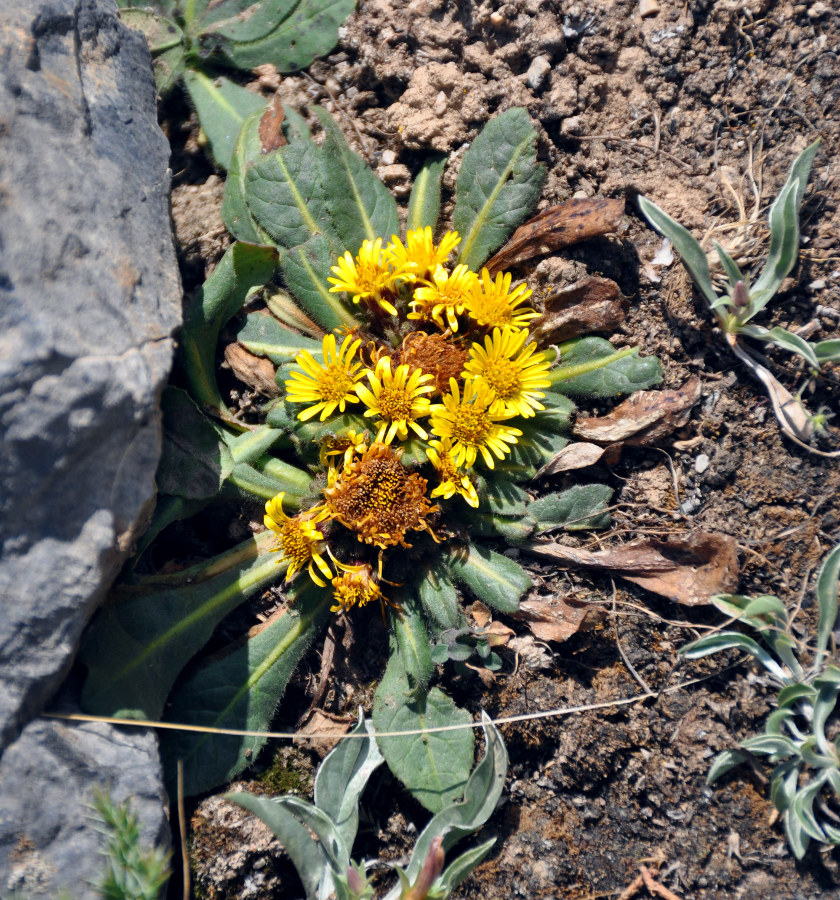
pixel 805 783
pixel 744 298
pixel 193 39
pixel 131 873
pixel 319 836
pixel 300 214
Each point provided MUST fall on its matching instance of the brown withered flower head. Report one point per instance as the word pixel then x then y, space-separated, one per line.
pixel 378 498
pixel 435 355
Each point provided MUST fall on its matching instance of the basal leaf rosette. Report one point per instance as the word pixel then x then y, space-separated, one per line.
pixel 420 406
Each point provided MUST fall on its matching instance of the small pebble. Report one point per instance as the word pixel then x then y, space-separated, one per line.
pixel 389 157
pixel 817 285
pixel 818 10
pixel 572 125
pixel 441 104
pixel 497 19
pixel 539 68
pixel 648 8
pixel 701 463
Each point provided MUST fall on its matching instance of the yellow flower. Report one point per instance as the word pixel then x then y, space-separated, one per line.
pixel 367 278
pixel 419 256
pixel 347 444
pixel 356 585
pixel 301 543
pixel 470 425
pixel 378 498
pixel 452 480
pixel 512 371
pixel 397 399
pixel 492 303
pixel 446 294
pixel 327 386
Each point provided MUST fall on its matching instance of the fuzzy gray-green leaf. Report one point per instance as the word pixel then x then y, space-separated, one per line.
pixel 780 337
pixel 578 507
pixel 826 594
pixel 725 762
pixel 263 335
pixel 424 203
pixel 497 580
pixel 498 185
pixel 235 213
pixel 828 351
pixel 240 690
pixel 413 642
pixel 438 595
pixel 592 367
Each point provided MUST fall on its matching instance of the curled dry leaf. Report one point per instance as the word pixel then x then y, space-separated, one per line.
pixel 323 723
pixel 256 372
pixel 643 418
pixel 557 227
pixel 689 569
pixel 530 654
pixel 271 132
pixel 557 618
pixel 573 456
pixel 591 304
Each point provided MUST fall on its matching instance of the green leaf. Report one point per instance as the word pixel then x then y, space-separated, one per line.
pixel 733 273
pixel 504 498
pixel 241 21
pixel 498 185
pixel 310 31
pixel 578 507
pixel 194 462
pixel 592 367
pixel 284 194
pixel 826 593
pixel 244 268
pixel 727 640
pixel 240 689
pixel 438 595
pixel 252 445
pixel 263 335
pixel 434 767
pixel 140 640
pixel 306 853
pixel 424 203
pixel 770 745
pixel 533 450
pixel 692 254
pixel 780 337
pixel 827 351
pixel 803 808
pixel 222 108
pixel 235 213
pixel 305 270
pixel 497 580
pixel 766 605
pixel 166 44
pixel 464 864
pixel 361 208
pixel 342 777
pixel 481 794
pixel 793 692
pixel 413 643
pixel 796 836
pixel 723 763
pixel 783 219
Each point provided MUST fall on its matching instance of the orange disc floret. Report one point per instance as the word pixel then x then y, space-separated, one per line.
pixel 378 498
pixel 434 355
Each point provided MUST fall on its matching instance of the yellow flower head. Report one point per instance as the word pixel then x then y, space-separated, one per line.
pixel 378 498
pixel 419 256
pixel 513 372
pixel 470 425
pixel 301 543
pixel 452 479
pixel 347 445
pixel 356 585
pixel 492 303
pixel 329 385
pixel 443 298
pixel 397 399
pixel 367 278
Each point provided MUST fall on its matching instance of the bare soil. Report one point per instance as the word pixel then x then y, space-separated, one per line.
pixel 700 106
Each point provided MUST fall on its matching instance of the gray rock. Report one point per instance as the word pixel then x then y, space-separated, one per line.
pixel 89 301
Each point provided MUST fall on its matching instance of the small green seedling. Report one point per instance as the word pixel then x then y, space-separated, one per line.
pixel 743 300
pixel 319 837
pixel 131 873
pixel 805 783
pixel 192 39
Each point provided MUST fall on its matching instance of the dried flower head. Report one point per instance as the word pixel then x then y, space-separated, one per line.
pixel 328 386
pixel 512 371
pixel 356 585
pixel 435 355
pixel 378 498
pixel 301 543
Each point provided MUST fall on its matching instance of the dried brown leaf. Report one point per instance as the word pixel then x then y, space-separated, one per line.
pixel 689 569
pixel 557 227
pixel 256 372
pixel 557 618
pixel 591 304
pixel 271 132
pixel 573 456
pixel 323 723
pixel 643 418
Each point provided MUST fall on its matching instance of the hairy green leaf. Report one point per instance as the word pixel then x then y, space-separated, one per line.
pixel 733 273
pixel 578 507
pixel 263 335
pixel 725 762
pixel 242 21
pixel 424 203
pixel 438 595
pixel 498 185
pixel 222 108
pixel 592 367
pixel 727 640
pixel 495 579
pixel 235 213
pixel 434 767
pixel 413 643
pixel 826 594
pixel 241 690
pixel 827 351
pixel 780 337
pixel 139 641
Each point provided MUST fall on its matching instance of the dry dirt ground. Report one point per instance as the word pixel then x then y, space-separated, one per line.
pixel 700 106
